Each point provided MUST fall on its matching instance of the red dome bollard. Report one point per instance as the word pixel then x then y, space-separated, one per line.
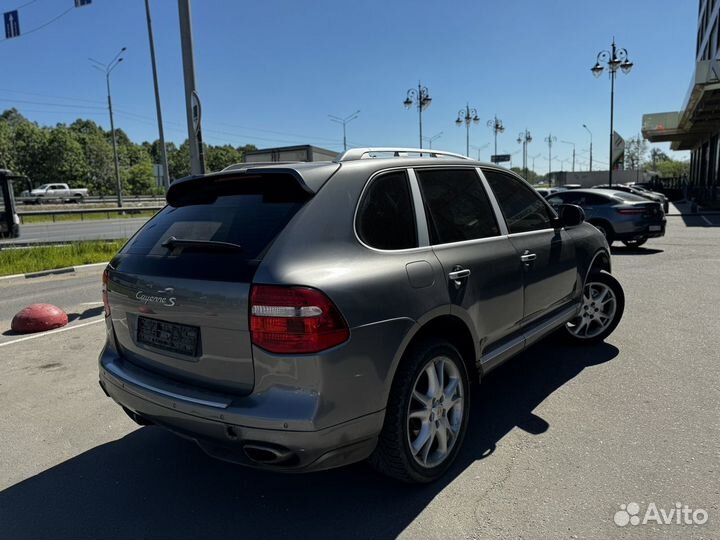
pixel 38 318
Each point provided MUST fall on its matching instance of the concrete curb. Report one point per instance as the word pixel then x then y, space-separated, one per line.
pixel 55 271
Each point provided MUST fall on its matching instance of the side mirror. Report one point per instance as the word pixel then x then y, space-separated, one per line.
pixel 570 215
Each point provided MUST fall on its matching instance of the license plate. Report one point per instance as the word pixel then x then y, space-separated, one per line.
pixel 172 337
pixel 655 228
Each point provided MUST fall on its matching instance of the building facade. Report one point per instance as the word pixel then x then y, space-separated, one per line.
pixel 697 126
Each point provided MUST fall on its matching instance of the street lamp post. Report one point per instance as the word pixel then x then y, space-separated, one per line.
pixel 107 69
pixel 467 115
pixel 344 122
pixel 550 139
pixel 533 160
pixel 433 138
pixel 479 148
pixel 524 138
pixel 590 132
pixel 497 126
pixel 158 109
pixel 573 154
pixel 615 58
pixel 421 98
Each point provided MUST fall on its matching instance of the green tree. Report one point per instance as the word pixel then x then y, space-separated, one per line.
pixel 139 179
pixel 64 159
pixel 219 157
pixel 531 177
pixel 179 161
pixel 30 148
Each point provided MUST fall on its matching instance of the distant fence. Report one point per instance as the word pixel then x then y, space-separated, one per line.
pixel 679 187
pixel 82 212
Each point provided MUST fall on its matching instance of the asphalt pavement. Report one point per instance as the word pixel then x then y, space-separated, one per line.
pixel 97 229
pixel 563 440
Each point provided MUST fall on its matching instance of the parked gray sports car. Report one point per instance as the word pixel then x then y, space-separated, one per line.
pixel 617 214
pixel 304 316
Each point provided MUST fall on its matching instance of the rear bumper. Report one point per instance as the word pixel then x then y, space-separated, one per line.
pixel 652 229
pixel 227 430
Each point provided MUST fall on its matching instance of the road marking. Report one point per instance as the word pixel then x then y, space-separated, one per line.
pixel 706 220
pixel 41 334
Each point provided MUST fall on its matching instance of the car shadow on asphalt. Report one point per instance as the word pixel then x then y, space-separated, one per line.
pixel 635 251
pixel 701 220
pixel 152 484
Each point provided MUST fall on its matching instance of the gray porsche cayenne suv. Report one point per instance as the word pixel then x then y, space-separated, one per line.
pixel 304 316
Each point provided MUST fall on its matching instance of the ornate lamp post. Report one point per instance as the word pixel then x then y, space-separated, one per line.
pixel 614 58
pixel 421 98
pixel 524 138
pixel 467 115
pixel 497 126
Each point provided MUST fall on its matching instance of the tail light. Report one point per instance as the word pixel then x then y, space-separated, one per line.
pixel 294 320
pixel 631 211
pixel 105 279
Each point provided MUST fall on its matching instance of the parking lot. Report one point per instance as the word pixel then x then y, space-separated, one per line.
pixel 560 437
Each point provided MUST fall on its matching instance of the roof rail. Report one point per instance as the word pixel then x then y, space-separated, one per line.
pixel 364 153
pixel 250 164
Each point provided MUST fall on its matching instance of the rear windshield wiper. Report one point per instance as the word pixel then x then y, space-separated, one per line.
pixel 172 243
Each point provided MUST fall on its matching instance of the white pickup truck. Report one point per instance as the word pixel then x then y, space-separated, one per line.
pixel 54 192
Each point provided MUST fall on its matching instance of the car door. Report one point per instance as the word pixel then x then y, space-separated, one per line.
pixel 484 277
pixel 547 252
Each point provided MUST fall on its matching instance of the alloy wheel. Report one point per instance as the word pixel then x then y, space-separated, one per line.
pixel 435 412
pixel 597 311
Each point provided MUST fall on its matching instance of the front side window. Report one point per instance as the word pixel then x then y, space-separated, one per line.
pixel 456 205
pixel 386 217
pixel 523 208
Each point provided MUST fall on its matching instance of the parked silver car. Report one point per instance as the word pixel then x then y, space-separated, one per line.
pixel 304 316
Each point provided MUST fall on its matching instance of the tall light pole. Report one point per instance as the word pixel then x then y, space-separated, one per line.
pixel 590 132
pixel 107 69
pixel 344 121
pixel 467 115
pixel 433 138
pixel 524 138
pixel 192 102
pixel 497 126
pixel 573 154
pixel 614 58
pixel 534 158
pixel 158 109
pixel 421 98
pixel 550 139
pixel 479 148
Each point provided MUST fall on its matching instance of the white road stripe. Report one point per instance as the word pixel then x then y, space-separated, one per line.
pixel 41 334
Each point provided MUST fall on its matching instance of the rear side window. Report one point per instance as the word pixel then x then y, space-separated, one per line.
pixel 250 220
pixel 457 206
pixel 386 219
pixel 523 208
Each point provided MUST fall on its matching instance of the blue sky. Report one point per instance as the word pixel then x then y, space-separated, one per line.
pixel 270 72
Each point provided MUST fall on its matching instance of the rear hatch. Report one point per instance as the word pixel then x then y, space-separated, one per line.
pixel 178 291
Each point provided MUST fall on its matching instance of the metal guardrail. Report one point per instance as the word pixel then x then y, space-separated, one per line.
pixel 82 211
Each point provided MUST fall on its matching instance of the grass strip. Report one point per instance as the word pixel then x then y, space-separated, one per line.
pixel 36 259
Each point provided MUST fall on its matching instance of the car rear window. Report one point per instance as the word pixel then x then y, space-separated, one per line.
pixel 628 197
pixel 250 220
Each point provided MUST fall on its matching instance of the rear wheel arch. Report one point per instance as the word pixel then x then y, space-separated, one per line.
pixel 447 327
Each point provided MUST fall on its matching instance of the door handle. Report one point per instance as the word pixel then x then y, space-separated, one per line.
pixel 528 257
pixel 458 274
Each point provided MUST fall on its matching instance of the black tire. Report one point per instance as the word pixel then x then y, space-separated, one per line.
pixel 666 207
pixel 606 229
pixel 635 243
pixel 613 284
pixel 392 456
